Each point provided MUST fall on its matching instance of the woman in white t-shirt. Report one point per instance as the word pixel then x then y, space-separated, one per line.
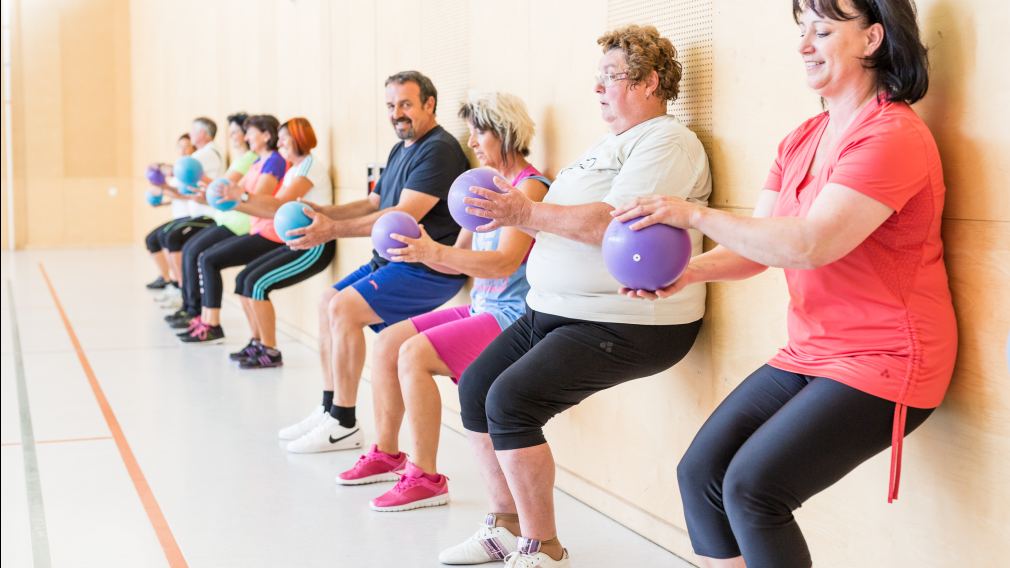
pixel 579 335
pixel 282 267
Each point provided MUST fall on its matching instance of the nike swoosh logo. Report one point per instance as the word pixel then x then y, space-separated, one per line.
pixel 332 441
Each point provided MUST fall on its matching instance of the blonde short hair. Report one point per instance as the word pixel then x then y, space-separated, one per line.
pixel 646 51
pixel 503 114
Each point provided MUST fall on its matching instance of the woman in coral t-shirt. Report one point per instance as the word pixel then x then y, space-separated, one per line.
pixel 851 211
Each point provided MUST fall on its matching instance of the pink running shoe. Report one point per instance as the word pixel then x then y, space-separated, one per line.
pixel 413 491
pixel 373 467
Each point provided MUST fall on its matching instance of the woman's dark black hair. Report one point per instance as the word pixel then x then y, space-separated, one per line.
pixel 901 62
pixel 238 119
pixel 265 123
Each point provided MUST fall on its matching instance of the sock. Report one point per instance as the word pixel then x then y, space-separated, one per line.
pixel 327 401
pixel 344 415
pixel 552 547
pixel 509 521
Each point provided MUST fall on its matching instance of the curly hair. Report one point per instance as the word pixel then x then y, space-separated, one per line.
pixel 647 51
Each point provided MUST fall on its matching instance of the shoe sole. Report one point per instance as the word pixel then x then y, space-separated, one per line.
pixel 355 446
pixel 253 368
pixel 435 501
pixel 208 342
pixel 377 478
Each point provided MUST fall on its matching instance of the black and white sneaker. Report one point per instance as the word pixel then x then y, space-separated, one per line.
pixel 327 436
pixel 158 283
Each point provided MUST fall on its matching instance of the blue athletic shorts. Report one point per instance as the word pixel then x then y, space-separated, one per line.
pixel 398 291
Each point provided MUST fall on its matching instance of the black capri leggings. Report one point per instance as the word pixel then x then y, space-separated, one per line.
pixel 174 236
pixel 227 253
pixel 778 439
pixel 282 267
pixel 153 239
pixel 544 364
pixel 191 252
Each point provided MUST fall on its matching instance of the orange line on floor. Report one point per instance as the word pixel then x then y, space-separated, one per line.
pixel 61 441
pixel 168 544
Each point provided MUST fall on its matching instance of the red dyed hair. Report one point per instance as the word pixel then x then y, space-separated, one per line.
pixel 302 134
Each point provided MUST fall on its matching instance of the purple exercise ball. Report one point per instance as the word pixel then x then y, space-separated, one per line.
pixel 460 189
pixel 393 222
pixel 154 175
pixel 649 259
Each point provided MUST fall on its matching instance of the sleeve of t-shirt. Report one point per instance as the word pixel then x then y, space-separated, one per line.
pixel 658 164
pixel 210 160
pixel 243 163
pixel 436 169
pixel 774 179
pixel 275 166
pixel 886 162
pixel 389 160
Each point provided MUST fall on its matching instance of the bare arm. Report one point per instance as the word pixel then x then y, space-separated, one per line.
pixel 460 259
pixel 838 221
pixel 352 209
pixel 324 228
pixel 265 205
pixel 583 223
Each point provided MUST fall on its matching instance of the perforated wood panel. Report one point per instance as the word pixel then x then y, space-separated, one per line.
pixel 688 24
pixel 445 57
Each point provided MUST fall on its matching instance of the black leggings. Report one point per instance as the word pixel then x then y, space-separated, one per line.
pixel 191 252
pixel 282 267
pixel 227 253
pixel 175 234
pixel 778 439
pixel 544 364
pixel 154 238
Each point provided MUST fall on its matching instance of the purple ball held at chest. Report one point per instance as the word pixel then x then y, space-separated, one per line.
pixel 460 189
pixel 649 259
pixel 393 222
pixel 154 175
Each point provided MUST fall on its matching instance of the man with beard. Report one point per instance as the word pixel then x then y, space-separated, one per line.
pixel 419 171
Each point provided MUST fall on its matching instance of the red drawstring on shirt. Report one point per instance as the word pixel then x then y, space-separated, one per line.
pixel 897 438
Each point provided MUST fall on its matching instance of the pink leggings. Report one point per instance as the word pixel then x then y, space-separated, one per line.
pixel 457 337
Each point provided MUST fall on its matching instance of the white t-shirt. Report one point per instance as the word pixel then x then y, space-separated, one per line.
pixel 568 278
pixel 180 207
pixel 213 166
pixel 312 168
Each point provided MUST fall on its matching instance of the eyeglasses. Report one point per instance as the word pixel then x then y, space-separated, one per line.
pixel 608 79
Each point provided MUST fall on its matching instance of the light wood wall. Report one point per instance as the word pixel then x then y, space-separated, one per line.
pixel 617 451
pixel 72 139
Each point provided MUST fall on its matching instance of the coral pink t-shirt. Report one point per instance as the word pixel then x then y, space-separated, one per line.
pixel 880 319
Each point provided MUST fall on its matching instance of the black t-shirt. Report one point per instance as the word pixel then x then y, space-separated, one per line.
pixel 429 165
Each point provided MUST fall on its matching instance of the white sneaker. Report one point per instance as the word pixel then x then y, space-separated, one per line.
pixel 302 428
pixel 327 436
pixel 172 304
pixel 488 544
pixel 170 292
pixel 528 555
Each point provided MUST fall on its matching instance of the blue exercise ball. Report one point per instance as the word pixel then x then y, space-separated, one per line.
pixel 290 216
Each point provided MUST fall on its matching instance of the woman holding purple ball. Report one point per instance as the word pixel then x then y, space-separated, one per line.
pixel 578 336
pixel 851 210
pixel 444 342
